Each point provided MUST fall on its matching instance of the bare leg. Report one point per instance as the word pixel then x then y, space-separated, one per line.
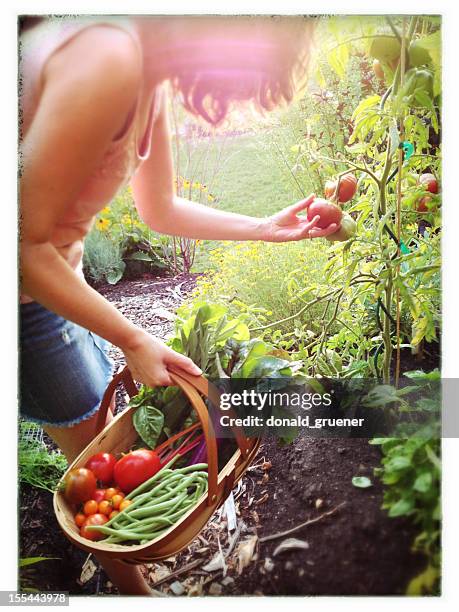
pixel 72 440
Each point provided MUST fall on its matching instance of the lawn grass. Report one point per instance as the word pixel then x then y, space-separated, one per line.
pixel 249 179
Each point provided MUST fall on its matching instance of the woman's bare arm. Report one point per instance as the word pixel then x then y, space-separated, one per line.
pixel 80 111
pixel 166 213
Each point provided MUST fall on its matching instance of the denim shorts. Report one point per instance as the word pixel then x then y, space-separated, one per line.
pixel 64 369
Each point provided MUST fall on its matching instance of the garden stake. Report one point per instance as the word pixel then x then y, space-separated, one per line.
pixel 405 152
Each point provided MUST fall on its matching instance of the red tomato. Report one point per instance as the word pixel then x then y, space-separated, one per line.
pixel 99 495
pixel 329 213
pixel 93 534
pixel 90 507
pixel 113 514
pixel 429 182
pixel 80 485
pixel 135 468
pixel 102 465
pixel 347 188
pixel 80 518
pixel 422 205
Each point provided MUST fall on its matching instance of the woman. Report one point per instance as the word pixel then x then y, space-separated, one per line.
pixel 94 118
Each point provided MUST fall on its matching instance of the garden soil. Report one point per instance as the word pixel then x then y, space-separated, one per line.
pixel 353 548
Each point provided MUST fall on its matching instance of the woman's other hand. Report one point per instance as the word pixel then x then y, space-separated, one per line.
pixel 286 225
pixel 148 360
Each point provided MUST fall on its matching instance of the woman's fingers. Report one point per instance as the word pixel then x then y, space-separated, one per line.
pixel 302 204
pixel 185 363
pixel 318 232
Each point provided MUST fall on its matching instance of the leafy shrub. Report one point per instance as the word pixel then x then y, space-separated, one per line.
pixel 103 258
pixel 411 472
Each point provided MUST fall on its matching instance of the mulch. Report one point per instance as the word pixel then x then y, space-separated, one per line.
pixel 353 548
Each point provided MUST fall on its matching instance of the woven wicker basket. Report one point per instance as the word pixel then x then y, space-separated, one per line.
pixel 119 435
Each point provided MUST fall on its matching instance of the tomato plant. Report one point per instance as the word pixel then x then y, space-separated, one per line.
pixel 135 467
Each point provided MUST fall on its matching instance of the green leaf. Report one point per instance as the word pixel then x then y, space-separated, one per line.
pixel 402 507
pixel 32 560
pixel 115 275
pixel 338 59
pixel 381 396
pixel 361 482
pixel 365 104
pixel 148 422
pixel 398 463
pixel 423 482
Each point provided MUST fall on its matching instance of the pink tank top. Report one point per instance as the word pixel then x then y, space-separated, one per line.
pixel 125 153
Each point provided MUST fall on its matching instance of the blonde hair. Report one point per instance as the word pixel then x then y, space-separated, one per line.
pixel 267 64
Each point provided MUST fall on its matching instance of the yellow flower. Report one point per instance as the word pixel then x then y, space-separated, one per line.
pixel 102 224
pixel 105 210
pixel 210 197
pixel 196 185
pixel 186 183
pixel 204 187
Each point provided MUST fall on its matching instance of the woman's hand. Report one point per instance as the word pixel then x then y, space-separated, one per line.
pixel 286 225
pixel 148 360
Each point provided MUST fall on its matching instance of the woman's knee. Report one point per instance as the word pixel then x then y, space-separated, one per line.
pixel 72 440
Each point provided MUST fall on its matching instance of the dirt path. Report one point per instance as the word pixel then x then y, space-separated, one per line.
pixel 356 550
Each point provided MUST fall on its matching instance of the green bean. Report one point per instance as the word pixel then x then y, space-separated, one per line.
pixel 155 508
pixel 197 467
pixel 147 483
pixel 161 485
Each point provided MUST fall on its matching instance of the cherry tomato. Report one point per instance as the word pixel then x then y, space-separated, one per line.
pixel 423 205
pixel 102 466
pixel 93 534
pixel 80 518
pixel 90 507
pixel 99 495
pixel 109 493
pixel 105 507
pixel 136 467
pixel 328 213
pixel 116 500
pixel 124 504
pixel 80 485
pixel 113 514
pixel 429 182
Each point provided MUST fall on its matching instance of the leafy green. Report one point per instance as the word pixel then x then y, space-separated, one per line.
pixel 148 422
pixel 37 466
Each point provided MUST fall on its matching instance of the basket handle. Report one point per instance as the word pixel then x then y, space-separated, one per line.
pixel 192 386
pixel 208 389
